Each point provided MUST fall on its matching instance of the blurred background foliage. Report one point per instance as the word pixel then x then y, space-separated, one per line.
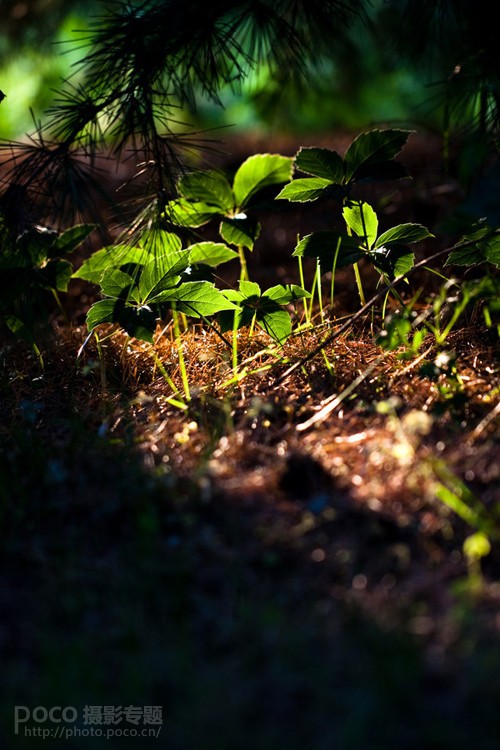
pixel 384 66
pixel 39 43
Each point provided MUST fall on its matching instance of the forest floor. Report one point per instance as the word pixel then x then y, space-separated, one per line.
pixel 269 565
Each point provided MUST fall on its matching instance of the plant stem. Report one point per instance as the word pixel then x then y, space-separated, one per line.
pixel 313 290
pixel 179 404
pixel 235 343
pixel 318 284
pixel 362 311
pixel 359 284
pixel 243 263
pixel 180 354
pixel 303 285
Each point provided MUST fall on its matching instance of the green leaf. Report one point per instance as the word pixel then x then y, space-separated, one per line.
pixel 393 261
pixel 208 187
pixel 328 245
pixel 210 253
pixel 321 162
pixel 139 322
pixel 102 311
pixel 486 249
pixel 257 172
pixel 185 213
pixel 249 288
pixel 198 299
pixel 108 258
pixel 159 242
pixel 470 255
pixel 492 251
pixel 72 238
pixel 234 295
pixel 56 274
pixel 304 189
pixel 371 151
pixel 403 264
pixel 283 295
pixel 407 233
pixel 363 221
pixel 241 232
pixel 162 272
pixel 275 321
pixel 116 283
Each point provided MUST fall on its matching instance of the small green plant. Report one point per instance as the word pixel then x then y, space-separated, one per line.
pixel 400 333
pixel 33 269
pixel 207 195
pixel 140 284
pixel 264 308
pixel 371 156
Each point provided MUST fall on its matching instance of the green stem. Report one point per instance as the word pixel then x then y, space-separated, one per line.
pixel 357 275
pixel 318 284
pixel 303 285
pixel 313 290
pixel 359 284
pixel 235 343
pixel 180 354
pixel 178 403
pixel 243 263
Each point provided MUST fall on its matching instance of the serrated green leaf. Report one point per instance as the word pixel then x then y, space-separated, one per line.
pixel 470 255
pixel 116 283
pixel 241 232
pixel 372 149
pixel 72 238
pixel 403 233
pixel 139 322
pixel 108 258
pixel 279 294
pixel 329 246
pixel 159 242
pixel 393 261
pixel 321 162
pixel 208 187
pixel 304 189
pixel 404 264
pixel 284 294
pixel 161 272
pixel 257 172
pixel 249 288
pixel 276 323
pixel 234 295
pixel 210 253
pixel 101 312
pixel 199 299
pixel 363 221
pixel 186 213
pixel 492 251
